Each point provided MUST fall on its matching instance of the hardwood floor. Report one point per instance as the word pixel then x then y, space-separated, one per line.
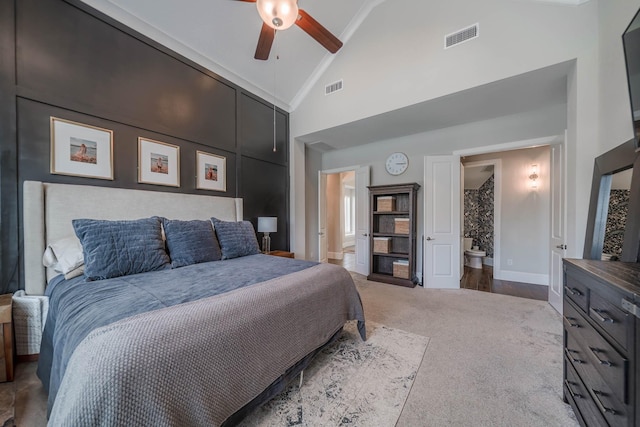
pixel 482 280
pixel 474 278
pixel 348 260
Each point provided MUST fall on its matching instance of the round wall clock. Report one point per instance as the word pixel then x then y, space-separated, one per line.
pixel 397 163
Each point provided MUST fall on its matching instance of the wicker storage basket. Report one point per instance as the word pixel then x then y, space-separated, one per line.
pixel 382 245
pixel 401 269
pixel 401 225
pixel 29 316
pixel 386 203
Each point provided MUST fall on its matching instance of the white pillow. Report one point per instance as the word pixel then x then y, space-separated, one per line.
pixel 64 255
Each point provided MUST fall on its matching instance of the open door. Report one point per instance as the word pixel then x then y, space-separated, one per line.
pixel 558 225
pixel 322 217
pixel 441 264
pixel 363 245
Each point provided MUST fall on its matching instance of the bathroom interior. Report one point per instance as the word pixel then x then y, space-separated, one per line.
pixel 478 216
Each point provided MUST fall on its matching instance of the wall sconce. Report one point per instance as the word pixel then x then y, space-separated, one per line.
pixel 533 177
pixel 266 225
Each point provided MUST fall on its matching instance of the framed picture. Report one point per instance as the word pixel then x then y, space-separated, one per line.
pixel 158 163
pixel 81 150
pixel 211 172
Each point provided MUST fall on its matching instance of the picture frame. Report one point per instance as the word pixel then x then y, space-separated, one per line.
pixel 78 149
pixel 211 172
pixel 158 163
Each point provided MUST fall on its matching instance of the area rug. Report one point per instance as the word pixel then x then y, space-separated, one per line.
pixel 353 382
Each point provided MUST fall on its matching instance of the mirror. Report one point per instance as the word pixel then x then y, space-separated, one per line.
pixel 616 213
pixel 613 225
pixel 631 44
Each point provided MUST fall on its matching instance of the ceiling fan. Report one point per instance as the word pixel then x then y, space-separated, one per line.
pixel 282 14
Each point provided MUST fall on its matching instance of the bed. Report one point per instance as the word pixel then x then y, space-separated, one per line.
pixel 183 344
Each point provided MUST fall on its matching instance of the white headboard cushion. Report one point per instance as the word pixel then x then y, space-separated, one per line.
pixel 49 208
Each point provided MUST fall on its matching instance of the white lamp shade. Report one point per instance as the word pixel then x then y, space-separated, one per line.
pixel 278 14
pixel 267 224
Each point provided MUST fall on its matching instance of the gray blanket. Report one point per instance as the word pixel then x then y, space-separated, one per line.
pixel 199 362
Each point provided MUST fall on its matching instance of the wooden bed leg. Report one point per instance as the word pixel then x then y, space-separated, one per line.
pixel 301 376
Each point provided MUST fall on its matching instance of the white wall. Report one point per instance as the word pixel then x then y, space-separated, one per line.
pixel 546 122
pixel 396 57
pixel 385 67
pixel 615 110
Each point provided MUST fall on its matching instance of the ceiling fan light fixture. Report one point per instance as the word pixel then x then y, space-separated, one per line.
pixel 278 14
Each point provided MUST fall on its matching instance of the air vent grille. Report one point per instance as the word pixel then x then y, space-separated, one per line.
pixel 461 36
pixel 333 87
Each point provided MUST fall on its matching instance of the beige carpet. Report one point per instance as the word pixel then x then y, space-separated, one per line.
pixel 492 360
pixel 352 382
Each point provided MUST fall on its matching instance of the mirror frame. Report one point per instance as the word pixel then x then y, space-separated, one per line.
pixel 618 159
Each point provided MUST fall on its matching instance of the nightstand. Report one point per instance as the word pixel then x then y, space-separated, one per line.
pixel 6 341
pixel 283 254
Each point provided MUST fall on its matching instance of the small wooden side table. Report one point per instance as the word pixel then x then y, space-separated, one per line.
pixel 284 254
pixel 6 339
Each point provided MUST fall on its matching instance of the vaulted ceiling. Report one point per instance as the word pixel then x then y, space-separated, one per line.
pixel 222 36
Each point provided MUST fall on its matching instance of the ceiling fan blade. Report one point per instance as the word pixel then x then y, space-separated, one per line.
pixel 265 41
pixel 318 32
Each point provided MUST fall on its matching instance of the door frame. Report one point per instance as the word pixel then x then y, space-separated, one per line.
pixel 527 143
pixel 322 199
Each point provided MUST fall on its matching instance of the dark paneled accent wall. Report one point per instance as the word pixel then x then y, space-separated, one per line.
pixel 61 58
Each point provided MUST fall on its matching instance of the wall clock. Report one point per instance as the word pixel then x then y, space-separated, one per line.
pixel 397 163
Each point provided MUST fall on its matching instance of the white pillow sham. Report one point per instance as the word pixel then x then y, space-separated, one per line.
pixel 65 256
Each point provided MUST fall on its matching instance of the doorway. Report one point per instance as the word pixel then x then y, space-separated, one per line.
pixel 500 196
pixel 343 218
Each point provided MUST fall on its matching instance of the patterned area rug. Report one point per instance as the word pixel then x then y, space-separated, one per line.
pixel 352 383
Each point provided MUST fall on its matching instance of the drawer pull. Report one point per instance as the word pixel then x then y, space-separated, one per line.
pixel 573 291
pixel 571 392
pixel 595 352
pixel 598 315
pixel 603 408
pixel 570 357
pixel 570 320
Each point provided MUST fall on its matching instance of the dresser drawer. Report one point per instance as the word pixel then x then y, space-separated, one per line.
pixel 606 400
pixel 576 292
pixel 617 324
pixel 611 365
pixel 575 390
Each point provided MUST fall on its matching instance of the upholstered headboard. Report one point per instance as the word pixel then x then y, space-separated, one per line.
pixel 49 208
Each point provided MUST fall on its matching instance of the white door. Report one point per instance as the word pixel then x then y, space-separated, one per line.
pixel 441 264
pixel 362 220
pixel 322 217
pixel 558 245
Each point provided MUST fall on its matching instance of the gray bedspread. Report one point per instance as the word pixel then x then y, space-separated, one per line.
pixel 196 361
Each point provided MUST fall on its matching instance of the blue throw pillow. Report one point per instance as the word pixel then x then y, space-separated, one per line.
pixel 120 248
pixel 236 239
pixel 190 242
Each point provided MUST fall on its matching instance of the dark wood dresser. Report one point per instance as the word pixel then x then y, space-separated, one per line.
pixel 601 341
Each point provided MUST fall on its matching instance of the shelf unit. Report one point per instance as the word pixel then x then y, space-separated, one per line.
pixel 401 246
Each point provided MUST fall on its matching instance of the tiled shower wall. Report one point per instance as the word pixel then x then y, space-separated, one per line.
pixel 478 216
pixel 616 220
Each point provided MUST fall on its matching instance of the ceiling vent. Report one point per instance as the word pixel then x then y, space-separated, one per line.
pixel 461 36
pixel 333 87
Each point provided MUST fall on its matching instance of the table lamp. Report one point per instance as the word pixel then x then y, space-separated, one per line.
pixel 266 225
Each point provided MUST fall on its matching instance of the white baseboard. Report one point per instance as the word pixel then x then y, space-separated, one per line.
pixel 487 261
pixel 335 255
pixel 522 277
